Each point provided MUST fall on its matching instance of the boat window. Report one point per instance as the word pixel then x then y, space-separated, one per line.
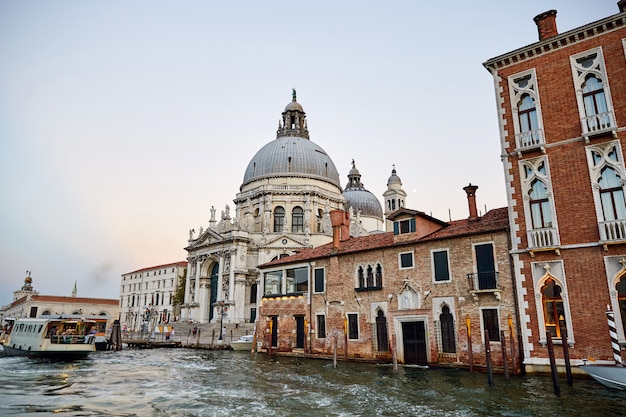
pixel 40 327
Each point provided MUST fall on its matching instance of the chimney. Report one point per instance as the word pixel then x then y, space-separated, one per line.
pixel 337 218
pixel 471 200
pixel 622 6
pixel 546 24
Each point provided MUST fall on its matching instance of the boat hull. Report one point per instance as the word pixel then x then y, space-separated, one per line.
pixel 47 354
pixel 241 345
pixel 610 376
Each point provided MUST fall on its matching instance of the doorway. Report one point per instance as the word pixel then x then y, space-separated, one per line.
pixel 299 332
pixel 414 343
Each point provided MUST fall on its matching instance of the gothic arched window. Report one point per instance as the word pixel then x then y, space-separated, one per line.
pixel 611 195
pixel 370 276
pixel 593 97
pixel 379 276
pixel 361 277
pixel 279 219
pixel 381 332
pixel 297 220
pixel 553 308
pixel 448 343
pixel 540 205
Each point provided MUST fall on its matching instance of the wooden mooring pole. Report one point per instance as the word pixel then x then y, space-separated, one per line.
pixel 488 358
pixel 505 360
pixel 470 353
pixel 568 366
pixel 555 379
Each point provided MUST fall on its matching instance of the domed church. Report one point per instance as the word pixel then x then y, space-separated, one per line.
pixel 289 187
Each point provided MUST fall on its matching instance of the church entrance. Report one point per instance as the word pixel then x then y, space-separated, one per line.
pixel 414 343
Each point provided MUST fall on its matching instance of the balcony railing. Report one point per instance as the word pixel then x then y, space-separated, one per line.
pixel 542 238
pixel 613 231
pixel 530 139
pixel 597 123
pixel 481 281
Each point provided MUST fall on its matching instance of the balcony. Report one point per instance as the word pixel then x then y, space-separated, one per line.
pixel 543 238
pixel 529 140
pixel 598 124
pixel 485 282
pixel 613 231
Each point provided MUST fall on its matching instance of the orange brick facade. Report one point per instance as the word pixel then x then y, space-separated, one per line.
pixel 407 300
pixel 579 246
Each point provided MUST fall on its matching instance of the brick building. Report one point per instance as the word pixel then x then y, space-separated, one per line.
pixel 415 288
pixel 562 114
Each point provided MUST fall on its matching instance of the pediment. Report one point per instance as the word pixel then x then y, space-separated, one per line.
pixel 284 241
pixel 207 237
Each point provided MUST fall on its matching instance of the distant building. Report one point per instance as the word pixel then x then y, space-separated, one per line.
pixel 415 289
pixel 289 188
pixel 561 106
pixel 147 295
pixel 29 303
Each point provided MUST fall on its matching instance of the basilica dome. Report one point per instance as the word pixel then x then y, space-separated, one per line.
pixel 292 153
pixel 359 198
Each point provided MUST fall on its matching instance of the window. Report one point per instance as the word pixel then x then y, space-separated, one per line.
pixel 406 260
pixel 526 110
pixel 382 338
pixel 320 285
pixel 491 323
pixel 448 339
pixel 540 205
pixel 297 220
pixel 611 195
pixel 441 270
pixel 485 266
pixel 353 326
pixel 369 278
pixel 553 308
pixel 253 293
pixel 279 219
pixel 298 280
pixel 592 92
pixel 404 226
pixel 273 283
pixel 361 277
pixel 321 326
pixel 379 276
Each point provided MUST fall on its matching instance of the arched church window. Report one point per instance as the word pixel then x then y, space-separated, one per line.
pixel 553 308
pixel 297 220
pixel 621 299
pixel 448 343
pixel 381 332
pixel 279 219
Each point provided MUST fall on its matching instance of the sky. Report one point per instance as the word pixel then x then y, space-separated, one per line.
pixel 122 123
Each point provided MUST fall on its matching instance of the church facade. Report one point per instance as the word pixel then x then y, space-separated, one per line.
pixel 283 205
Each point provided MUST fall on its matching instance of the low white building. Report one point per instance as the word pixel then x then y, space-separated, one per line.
pixel 147 295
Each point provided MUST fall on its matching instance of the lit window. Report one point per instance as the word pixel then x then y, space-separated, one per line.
pixel 553 308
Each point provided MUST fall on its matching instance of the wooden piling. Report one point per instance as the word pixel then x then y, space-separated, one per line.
pixel 505 359
pixel 394 354
pixel 555 379
pixel 470 352
pixel 335 352
pixel 568 366
pixel 488 358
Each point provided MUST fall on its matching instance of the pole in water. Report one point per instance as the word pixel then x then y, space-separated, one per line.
pixel 335 353
pixel 555 379
pixel 617 356
pixel 568 366
pixel 394 354
pixel 505 360
pixel 488 358
pixel 469 344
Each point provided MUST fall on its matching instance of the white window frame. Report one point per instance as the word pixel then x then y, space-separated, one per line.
pixel 432 262
pixel 594 173
pixel 516 91
pixel 400 260
pixel 538 238
pixel 579 73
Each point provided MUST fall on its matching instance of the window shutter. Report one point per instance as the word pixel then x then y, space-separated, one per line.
pixel 396 228
pixel 412 225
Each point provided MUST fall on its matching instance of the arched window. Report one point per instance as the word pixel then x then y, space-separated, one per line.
pixel 379 276
pixel 611 195
pixel 540 205
pixel 297 220
pixel 448 343
pixel 361 277
pixel 553 308
pixel 594 101
pixel 370 276
pixel 527 114
pixel 381 332
pixel 621 299
pixel 279 219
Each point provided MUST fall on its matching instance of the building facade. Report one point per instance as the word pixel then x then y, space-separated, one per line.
pixel 562 114
pixel 430 289
pixel 147 295
pixel 27 302
pixel 283 205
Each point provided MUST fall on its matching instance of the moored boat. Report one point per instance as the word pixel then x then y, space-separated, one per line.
pixel 612 376
pixel 50 338
pixel 244 343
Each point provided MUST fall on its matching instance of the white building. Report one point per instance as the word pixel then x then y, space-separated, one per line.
pixel 283 205
pixel 147 295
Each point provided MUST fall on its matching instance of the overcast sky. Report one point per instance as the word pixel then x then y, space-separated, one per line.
pixel 122 123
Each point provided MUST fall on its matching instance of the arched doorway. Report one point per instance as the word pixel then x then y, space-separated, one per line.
pixel 448 343
pixel 382 337
pixel 214 278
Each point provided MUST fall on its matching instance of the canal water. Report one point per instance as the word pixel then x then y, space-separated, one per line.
pixel 182 382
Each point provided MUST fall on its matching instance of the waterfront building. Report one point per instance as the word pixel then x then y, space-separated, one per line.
pixel 148 295
pixel 420 289
pixel 561 105
pixel 27 302
pixel 289 188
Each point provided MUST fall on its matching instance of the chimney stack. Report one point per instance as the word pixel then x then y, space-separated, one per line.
pixel 546 24
pixel 622 6
pixel 471 200
pixel 340 220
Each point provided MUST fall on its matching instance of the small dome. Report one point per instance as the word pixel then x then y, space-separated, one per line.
pixel 394 179
pixel 28 280
pixel 364 200
pixel 294 106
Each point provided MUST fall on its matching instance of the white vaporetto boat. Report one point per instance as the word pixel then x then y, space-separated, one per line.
pixel 244 343
pixel 50 338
